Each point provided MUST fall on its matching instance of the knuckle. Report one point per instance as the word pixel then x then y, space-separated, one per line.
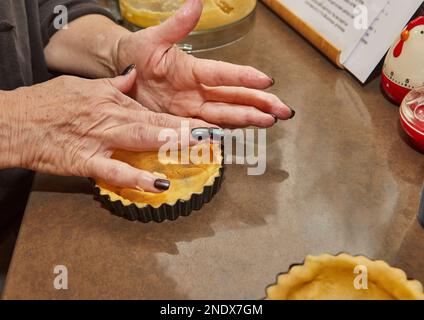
pixel 248 119
pixel 104 82
pixel 64 78
pixel 116 96
pixel 138 133
pixel 106 89
pixel 272 100
pixel 85 167
pixel 251 116
pixel 159 120
pixel 112 172
pixel 106 114
pixel 221 117
pixel 61 79
pixel 130 103
pixel 67 82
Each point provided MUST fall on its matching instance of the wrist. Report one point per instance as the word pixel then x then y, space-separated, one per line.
pixel 103 49
pixel 11 120
pixel 119 60
pixel 110 40
pixel 87 48
pixel 105 46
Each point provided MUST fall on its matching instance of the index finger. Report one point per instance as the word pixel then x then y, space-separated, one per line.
pixel 217 73
pixel 165 120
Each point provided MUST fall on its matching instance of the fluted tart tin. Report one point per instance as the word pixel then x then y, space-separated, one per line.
pixel 167 211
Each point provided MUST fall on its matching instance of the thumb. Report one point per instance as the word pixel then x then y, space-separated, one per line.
pixel 123 175
pixel 181 24
pixel 126 80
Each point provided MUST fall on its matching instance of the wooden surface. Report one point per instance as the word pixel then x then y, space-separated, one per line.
pixel 339 179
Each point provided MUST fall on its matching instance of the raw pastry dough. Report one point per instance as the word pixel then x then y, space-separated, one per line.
pixel 329 277
pixel 186 179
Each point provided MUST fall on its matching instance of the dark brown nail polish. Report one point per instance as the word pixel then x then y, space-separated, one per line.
pixel 162 184
pixel 293 114
pixel 128 70
pixel 272 81
pixel 275 118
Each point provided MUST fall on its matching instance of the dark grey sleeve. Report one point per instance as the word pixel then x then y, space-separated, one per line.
pixel 76 9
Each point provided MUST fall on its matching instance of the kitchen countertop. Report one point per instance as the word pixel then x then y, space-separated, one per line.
pixel 339 179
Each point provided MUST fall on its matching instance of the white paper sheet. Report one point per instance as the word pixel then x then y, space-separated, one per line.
pixel 381 35
pixel 335 19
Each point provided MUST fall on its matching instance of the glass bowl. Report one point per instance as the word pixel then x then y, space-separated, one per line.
pixel 222 22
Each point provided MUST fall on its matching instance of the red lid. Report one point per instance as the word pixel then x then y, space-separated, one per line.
pixel 412 116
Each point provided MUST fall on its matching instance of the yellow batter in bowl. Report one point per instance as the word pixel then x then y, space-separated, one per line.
pixel 216 13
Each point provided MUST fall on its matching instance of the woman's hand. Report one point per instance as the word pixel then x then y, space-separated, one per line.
pixel 169 80
pixel 70 126
pixel 174 82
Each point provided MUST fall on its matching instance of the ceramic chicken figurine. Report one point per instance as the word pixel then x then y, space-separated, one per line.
pixel 404 66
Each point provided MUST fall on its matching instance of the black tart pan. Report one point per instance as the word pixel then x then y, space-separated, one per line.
pixel 164 212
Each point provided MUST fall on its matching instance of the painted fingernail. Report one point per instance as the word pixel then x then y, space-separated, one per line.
pixel 275 118
pixel 128 70
pixel 293 114
pixel 272 81
pixel 216 134
pixel 200 133
pixel 162 184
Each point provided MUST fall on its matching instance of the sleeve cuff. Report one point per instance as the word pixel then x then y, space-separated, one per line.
pixel 76 9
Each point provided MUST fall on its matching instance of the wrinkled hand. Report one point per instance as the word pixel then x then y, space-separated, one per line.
pixel 71 126
pixel 174 82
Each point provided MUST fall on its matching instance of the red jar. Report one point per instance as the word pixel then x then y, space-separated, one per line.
pixel 412 117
